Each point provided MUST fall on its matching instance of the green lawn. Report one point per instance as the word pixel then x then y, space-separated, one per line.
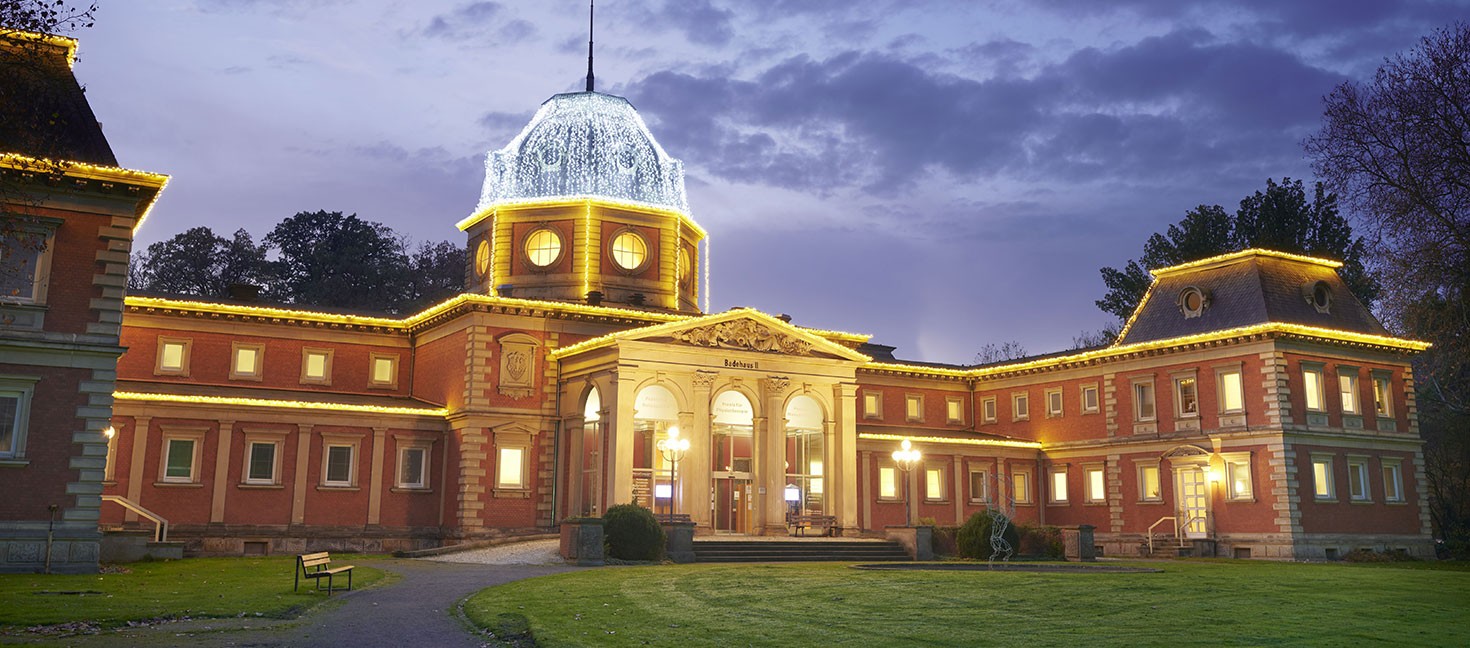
pixel 1191 602
pixel 194 587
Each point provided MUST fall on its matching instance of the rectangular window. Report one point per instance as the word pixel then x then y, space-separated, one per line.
pixel 1312 388
pixel 1058 493
pixel 1186 397
pixel 1021 486
pixel 316 366
pixel 1322 487
pixel 261 468
pixel 913 407
pixel 1089 399
pixel 510 468
pixel 987 406
pixel 1358 480
pixel 1148 483
pixel 1347 388
pixel 1020 407
pixel 1393 481
pixel 1238 483
pixel 1382 401
pixel 384 370
pixel 1053 403
pixel 979 487
pixel 179 462
pixel 954 410
pixel 887 482
pixel 934 484
pixel 872 405
pixel 25 259
pixel 9 422
pixel 173 357
pixel 1143 401
pixel 1232 394
pixel 413 467
pixel 245 363
pixel 1096 484
pixel 339 465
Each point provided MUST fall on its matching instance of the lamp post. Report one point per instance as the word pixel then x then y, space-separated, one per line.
pixel 673 448
pixel 906 457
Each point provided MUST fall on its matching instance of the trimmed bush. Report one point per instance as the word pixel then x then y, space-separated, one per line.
pixel 973 539
pixel 632 533
pixel 1042 542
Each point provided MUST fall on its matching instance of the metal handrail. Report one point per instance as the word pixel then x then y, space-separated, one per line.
pixel 160 525
pixel 1180 534
pixel 1161 521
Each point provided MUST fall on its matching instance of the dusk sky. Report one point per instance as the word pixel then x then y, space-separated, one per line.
pixel 938 174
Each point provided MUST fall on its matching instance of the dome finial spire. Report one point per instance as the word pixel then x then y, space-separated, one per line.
pixel 591 10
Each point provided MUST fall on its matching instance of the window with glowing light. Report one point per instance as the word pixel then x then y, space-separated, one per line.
pixel 543 247
pixel 1322 486
pixel 1149 486
pixel 246 361
pixel 316 366
pixel 1347 389
pixel 173 357
pixel 1382 395
pixel 1021 486
pixel 1358 479
pixel 1312 388
pixel 805 453
pixel 629 250
pixel 913 407
pixel 872 404
pixel 482 258
pixel 686 267
pixel 1058 493
pixel 887 483
pixel 934 484
pixel 15 407
pixel 1186 397
pixel 510 468
pixel 1094 484
pixel 384 370
pixel 1239 485
pixel 1393 480
pixel 1231 390
pixel 954 411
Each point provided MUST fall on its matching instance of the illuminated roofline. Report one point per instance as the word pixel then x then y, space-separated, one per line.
pixel 101 173
pixel 579 201
pixel 70 44
pixel 277 403
pixel 998 443
pixel 1329 263
pixel 610 338
pixel 1113 351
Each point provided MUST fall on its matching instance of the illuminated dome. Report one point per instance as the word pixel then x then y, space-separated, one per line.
pixel 585 145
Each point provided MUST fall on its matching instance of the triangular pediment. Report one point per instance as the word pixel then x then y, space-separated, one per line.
pixel 741 329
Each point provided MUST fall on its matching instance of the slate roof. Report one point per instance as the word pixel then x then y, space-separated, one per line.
pixel 1247 289
pixel 43 111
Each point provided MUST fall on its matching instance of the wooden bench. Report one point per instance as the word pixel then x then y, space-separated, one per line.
pixel 798 524
pixel 317 566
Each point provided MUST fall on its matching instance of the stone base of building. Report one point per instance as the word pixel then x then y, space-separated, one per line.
pixel 1271 546
pixel 1335 546
pixel 259 540
pixel 72 549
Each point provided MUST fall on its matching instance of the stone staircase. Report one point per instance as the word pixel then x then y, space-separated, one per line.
pixel 736 551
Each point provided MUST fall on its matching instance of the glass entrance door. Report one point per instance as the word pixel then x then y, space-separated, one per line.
pixel 733 505
pixel 732 437
pixel 1193 501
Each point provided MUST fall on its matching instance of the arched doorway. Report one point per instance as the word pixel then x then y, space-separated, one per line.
pixel 592 453
pixel 1191 489
pixel 654 412
pixel 805 457
pixel 732 432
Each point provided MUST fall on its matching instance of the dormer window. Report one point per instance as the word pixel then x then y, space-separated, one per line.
pixel 1320 297
pixel 1192 302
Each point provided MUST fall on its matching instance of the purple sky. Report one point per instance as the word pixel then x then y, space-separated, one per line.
pixel 939 174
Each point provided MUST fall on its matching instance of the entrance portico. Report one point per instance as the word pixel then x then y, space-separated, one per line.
pixel 769 410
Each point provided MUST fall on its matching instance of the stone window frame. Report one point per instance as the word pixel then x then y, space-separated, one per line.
pixel 1324 486
pixel 526 254
pixel 275 438
pixel 1020 401
pixel 184 356
pixel 1382 393
pixel 1237 368
pixel 1176 382
pixel 1358 463
pixel 1320 370
pixel 1231 460
pixel 326 377
pixel 193 434
pixel 1394 466
pixel 23 388
pixel 350 440
pixel 913 408
pixel 989 410
pixel 45 227
pixel 954 410
pixel 1060 406
pixel 255 375
pixel 425 446
pixel 1354 378
pixel 984 496
pixel 877 410
pixel 520 439
pixel 892 469
pixel 1099 468
pixel 1052 472
pixel 1139 466
pixel 943 470
pixel 373 382
pixel 1029 487
pixel 1138 415
pixel 1090 388
pixel 612 246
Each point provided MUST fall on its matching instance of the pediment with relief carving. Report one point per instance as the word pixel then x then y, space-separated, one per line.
pixel 745 335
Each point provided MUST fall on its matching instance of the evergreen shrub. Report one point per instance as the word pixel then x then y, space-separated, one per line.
pixel 973 539
pixel 631 533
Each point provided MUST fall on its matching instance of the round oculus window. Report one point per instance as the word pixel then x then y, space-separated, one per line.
pixel 686 266
pixel 1192 301
pixel 1321 296
pixel 543 247
pixel 482 258
pixel 629 250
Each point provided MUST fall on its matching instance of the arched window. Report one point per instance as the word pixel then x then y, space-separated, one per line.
pixel 654 412
pixel 805 456
pixel 592 453
pixel 732 428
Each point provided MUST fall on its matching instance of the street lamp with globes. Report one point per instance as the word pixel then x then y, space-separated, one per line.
pixel 673 448
pixel 906 457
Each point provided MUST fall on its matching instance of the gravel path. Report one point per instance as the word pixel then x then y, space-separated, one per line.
pixel 535 552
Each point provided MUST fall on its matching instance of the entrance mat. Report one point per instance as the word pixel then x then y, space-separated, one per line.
pixel 1013 567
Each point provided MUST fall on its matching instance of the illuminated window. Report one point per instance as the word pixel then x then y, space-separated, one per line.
pixel 1382 396
pixel 1322 486
pixel 1232 395
pixel 934 484
pixel 260 463
pixel 15 407
pixel 979 487
pixel 510 468
pixel 1148 483
pixel 339 468
pixel 686 266
pixel 543 247
pixel 954 410
pixel 1054 402
pixel 413 467
pixel 1021 486
pixel 384 370
pixel 246 361
pixel 1312 388
pixel 173 357
pixel 1393 481
pixel 1358 479
pixel 1058 494
pixel 316 366
pixel 1143 401
pixel 1186 397
pixel 1095 485
pixel 1347 388
pixel 1238 483
pixel 482 258
pixel 1089 399
pixel 887 482
pixel 913 407
pixel 872 405
pixel 25 259
pixel 1020 407
pixel 629 250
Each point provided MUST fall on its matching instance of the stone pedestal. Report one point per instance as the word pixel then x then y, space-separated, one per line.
pixel 1079 543
pixel 679 546
pixel 581 541
pixel 917 540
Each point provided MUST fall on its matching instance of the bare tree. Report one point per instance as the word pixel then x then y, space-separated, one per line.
pixel 991 353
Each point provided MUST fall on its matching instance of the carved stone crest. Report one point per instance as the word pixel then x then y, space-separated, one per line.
pixel 744 334
pixel 515 365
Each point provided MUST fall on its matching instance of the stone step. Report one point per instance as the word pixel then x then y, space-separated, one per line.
pixel 797 551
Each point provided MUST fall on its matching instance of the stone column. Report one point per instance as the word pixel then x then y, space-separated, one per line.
pixel 694 471
pixel 221 471
pixel 375 480
pixel 845 478
pixel 618 431
pixel 573 457
pixel 771 512
pixel 470 498
pixel 135 464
